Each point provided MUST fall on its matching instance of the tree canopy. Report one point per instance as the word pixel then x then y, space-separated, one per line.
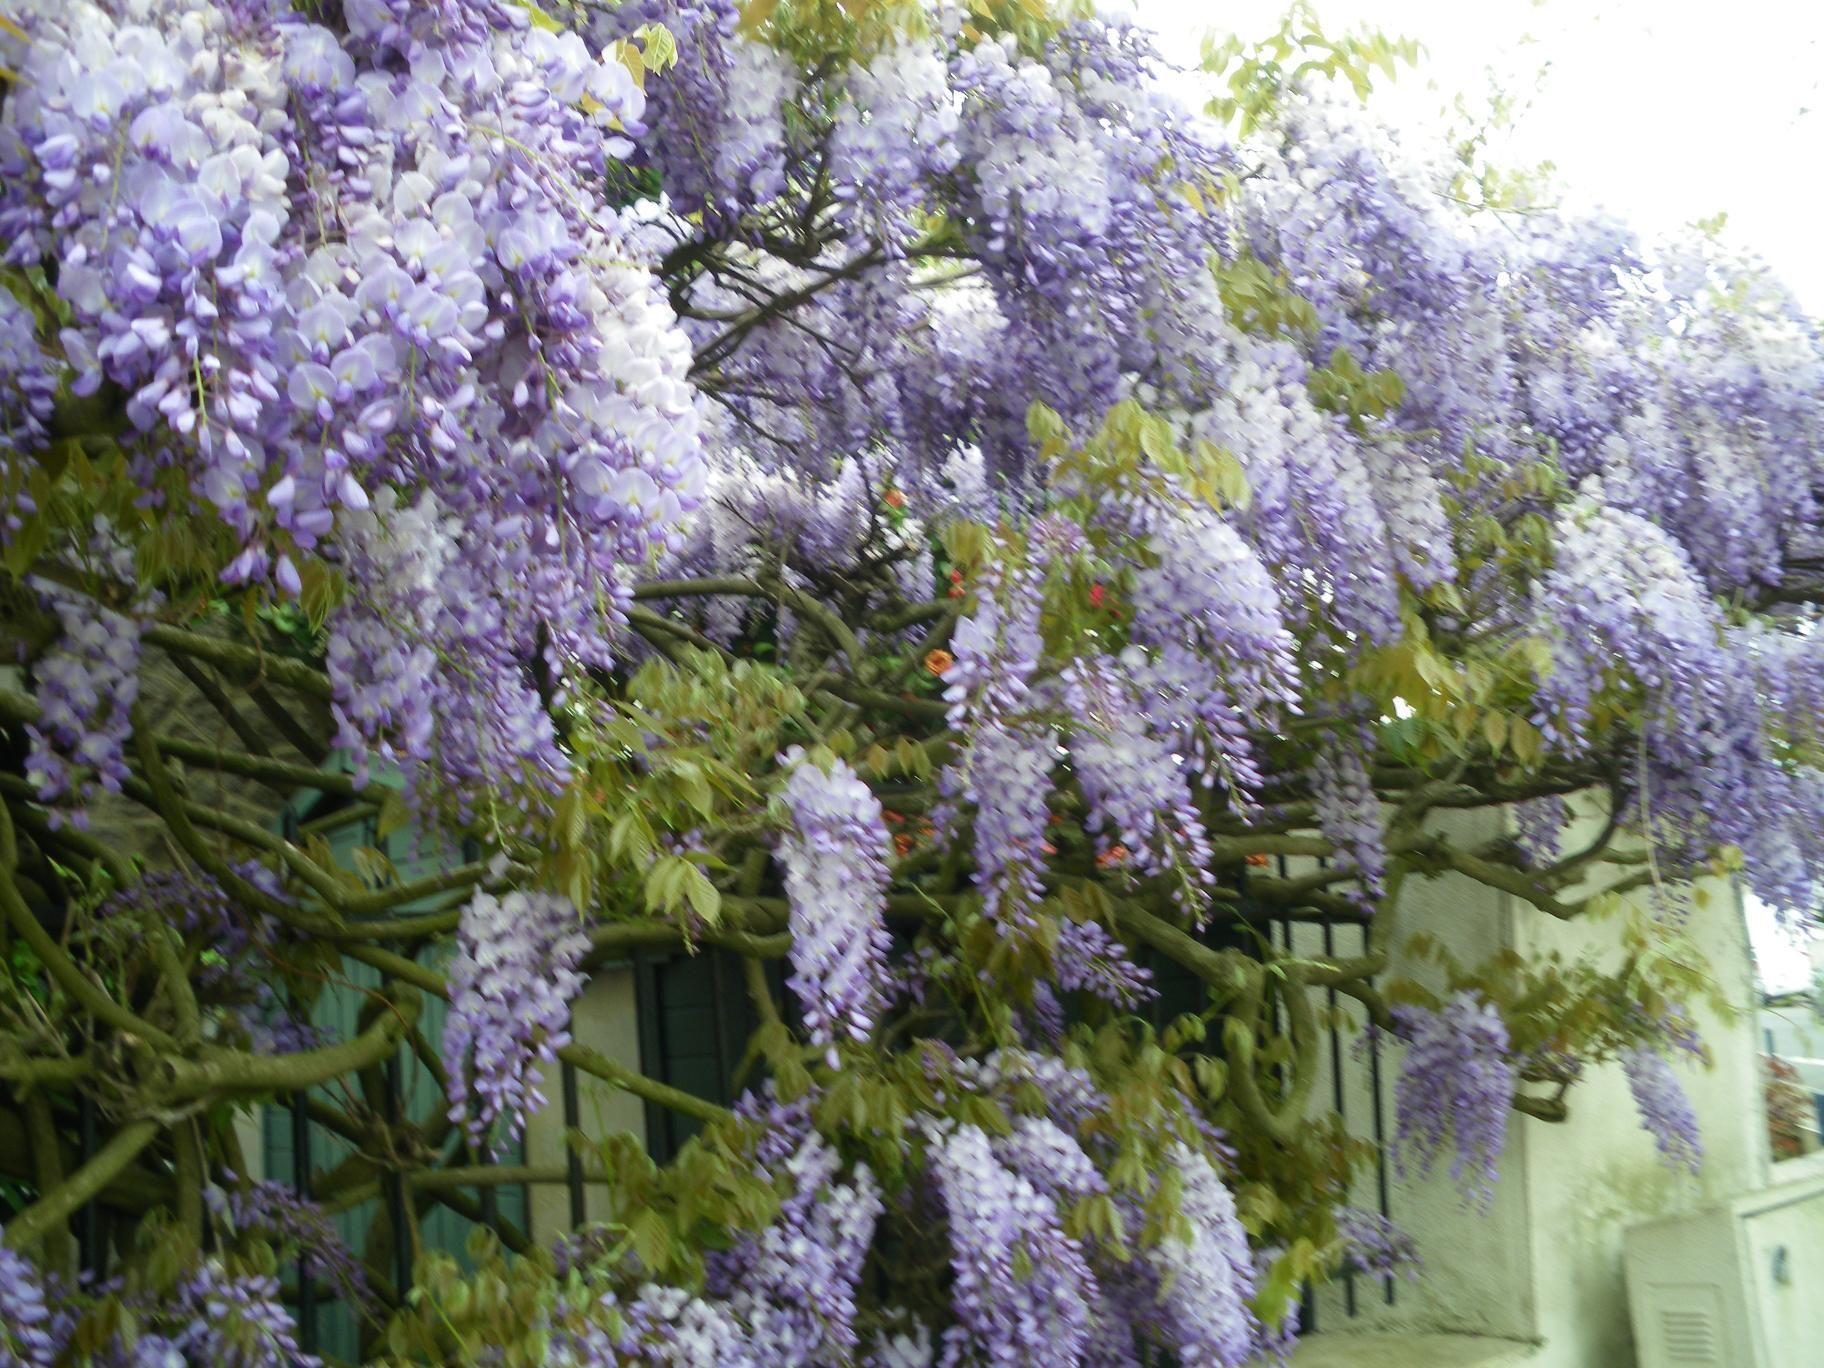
pixel 883 486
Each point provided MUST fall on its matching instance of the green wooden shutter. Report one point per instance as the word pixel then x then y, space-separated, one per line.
pixel 695 1020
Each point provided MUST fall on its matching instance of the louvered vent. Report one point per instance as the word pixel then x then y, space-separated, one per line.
pixel 1688 1336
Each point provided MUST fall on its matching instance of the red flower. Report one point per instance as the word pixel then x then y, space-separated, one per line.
pixel 1096 594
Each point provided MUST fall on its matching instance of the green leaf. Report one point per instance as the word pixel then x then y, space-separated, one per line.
pixel 704 900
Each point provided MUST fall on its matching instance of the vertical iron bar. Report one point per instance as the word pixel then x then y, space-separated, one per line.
pixel 1307 1313
pixel 395 1191
pixel 1336 1088
pixel 1380 1130
pixel 573 1163
pixel 88 1225
pixel 300 1183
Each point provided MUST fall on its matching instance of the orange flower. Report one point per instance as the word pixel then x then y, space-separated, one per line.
pixel 1258 860
pixel 894 499
pixel 894 817
pixel 902 844
pixel 939 661
pixel 1114 855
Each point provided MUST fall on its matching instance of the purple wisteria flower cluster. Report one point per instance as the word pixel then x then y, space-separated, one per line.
pixel 1665 1109
pixel 784 1296
pixel 1456 1083
pixel 1154 499
pixel 1208 1275
pixel 835 864
pixel 215 1315
pixel 1138 788
pixel 1348 811
pixel 1006 770
pixel 1022 1283
pixel 1373 1244
pixel 326 265
pixel 30 1335
pixel 87 685
pixel 272 1212
pixel 511 985
pixel 1087 959
pixel 716 127
pixel 241 953
pixel 28 393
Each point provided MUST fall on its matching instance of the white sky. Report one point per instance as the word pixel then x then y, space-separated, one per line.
pixel 1662 112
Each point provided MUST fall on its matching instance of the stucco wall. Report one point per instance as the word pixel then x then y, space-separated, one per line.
pixel 1591 1178
pixel 1543 1264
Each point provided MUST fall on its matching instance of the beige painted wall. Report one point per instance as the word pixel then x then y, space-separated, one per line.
pixel 603 1017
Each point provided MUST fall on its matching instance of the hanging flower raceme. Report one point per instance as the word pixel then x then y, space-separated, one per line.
pixel 511 985
pixel 1623 591
pixel 1348 810
pixel 836 875
pixel 1088 959
pixel 272 1212
pixel 1207 1278
pixel 1456 1084
pixel 717 121
pixel 1665 1109
pixel 1374 1244
pixel 1023 1288
pixel 87 684
pixel 795 1283
pixel 28 392
pixel 1138 788
pixel 895 132
pixel 1005 770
